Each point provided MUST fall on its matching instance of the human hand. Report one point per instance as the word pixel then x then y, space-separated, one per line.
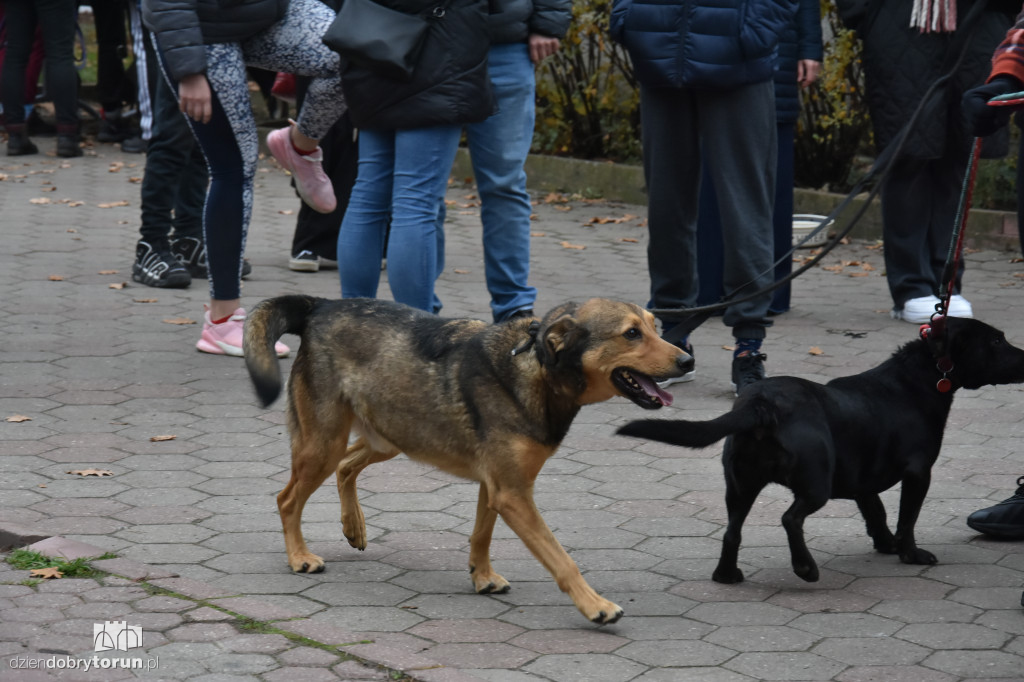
pixel 195 99
pixel 807 71
pixel 542 47
pixel 982 119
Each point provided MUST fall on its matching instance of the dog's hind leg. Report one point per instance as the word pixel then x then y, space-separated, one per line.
pixel 485 579
pixel 793 521
pixel 914 488
pixel 738 503
pixel 516 506
pixel 359 456
pixel 873 511
pixel 312 463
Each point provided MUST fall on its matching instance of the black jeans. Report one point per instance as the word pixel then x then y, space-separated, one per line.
pixel 57 20
pixel 176 176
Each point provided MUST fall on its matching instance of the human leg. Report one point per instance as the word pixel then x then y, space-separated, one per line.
pixel 782 217
pixel 21 22
pixel 57 20
pixel 362 235
pixel 498 147
pixel 672 159
pixel 423 159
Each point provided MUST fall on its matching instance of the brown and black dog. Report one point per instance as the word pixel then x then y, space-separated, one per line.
pixel 490 403
pixel 851 438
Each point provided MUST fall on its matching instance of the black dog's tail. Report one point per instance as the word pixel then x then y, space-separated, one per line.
pixel 264 325
pixel 698 434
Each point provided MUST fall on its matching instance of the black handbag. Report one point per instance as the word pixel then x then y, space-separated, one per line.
pixel 385 41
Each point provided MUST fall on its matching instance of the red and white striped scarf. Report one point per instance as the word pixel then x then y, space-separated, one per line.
pixel 934 16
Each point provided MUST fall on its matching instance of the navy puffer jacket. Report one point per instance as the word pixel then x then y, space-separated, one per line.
pixel 512 21
pixel 801 40
pixel 701 43
pixel 183 27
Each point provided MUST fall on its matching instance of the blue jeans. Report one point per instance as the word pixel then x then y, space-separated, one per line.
pixel 498 147
pixel 402 176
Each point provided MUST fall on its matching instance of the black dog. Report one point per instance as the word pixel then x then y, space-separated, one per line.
pixel 851 438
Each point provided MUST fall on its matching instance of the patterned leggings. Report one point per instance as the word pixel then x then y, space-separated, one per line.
pixel 230 141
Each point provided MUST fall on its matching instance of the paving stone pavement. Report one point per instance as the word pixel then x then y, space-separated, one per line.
pixel 100 368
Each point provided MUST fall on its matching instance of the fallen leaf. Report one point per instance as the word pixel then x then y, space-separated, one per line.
pixel 160 439
pixel 144 300
pixel 46 573
pixel 134 180
pixel 470 197
pixel 461 272
pixel 631 240
pixel 18 418
pixel 113 204
pixel 91 472
pixel 115 167
pixel 107 272
pixel 449 202
pixel 859 274
pixel 538 234
pixel 555 198
pixel 117 285
pixel 867 266
pixel 39 200
pixel 56 278
pixel 179 320
pixel 286 211
pixel 816 351
pixel 42 485
pixel 832 268
pixel 48 189
pixel 563 207
pixel 75 203
pixel 850 263
pixel 728 347
pixel 567 245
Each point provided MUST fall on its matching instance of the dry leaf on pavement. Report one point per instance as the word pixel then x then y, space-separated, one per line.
pixel 117 285
pixel 18 418
pixel 816 351
pixel 91 472
pixel 113 204
pixel 56 278
pixel 107 272
pixel 567 245
pixel 46 573
pixel 179 320
pixel 158 439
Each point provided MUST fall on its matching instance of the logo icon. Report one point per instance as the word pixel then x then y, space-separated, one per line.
pixel 116 635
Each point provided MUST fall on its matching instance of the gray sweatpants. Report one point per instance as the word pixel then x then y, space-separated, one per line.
pixel 734 133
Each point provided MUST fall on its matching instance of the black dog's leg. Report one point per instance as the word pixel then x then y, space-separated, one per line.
pixel 873 511
pixel 793 521
pixel 915 487
pixel 738 504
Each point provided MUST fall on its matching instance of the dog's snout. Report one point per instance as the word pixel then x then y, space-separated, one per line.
pixel 684 361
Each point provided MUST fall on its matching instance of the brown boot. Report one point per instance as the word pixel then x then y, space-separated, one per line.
pixel 18 143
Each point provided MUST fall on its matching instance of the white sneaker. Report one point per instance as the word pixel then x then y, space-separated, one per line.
pixel 306 261
pixel 917 310
pixel 960 307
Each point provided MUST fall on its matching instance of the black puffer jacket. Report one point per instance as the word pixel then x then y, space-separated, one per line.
pixel 512 21
pixel 901 63
pixel 183 27
pixel 449 85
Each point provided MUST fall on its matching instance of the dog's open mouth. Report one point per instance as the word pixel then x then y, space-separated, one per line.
pixel 640 388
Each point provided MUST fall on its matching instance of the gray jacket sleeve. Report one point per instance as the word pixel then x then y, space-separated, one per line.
pixel 175 24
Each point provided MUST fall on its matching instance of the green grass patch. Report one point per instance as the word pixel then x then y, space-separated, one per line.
pixel 27 560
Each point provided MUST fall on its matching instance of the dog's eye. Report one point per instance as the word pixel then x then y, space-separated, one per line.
pixel 633 334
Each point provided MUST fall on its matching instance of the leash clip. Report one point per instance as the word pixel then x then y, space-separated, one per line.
pixel 530 342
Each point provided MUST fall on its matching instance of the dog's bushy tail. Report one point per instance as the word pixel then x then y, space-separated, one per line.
pixel 697 434
pixel 264 325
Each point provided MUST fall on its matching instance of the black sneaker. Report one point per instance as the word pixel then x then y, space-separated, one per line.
pixel 18 144
pixel 134 144
pixel 69 146
pixel 113 129
pixel 158 268
pixel 689 376
pixel 1003 520
pixel 191 253
pixel 747 369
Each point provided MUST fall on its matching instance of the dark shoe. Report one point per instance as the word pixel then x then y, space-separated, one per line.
pixel 1003 520
pixel 305 261
pixel 191 253
pixel 747 369
pixel 68 146
pixel 113 129
pixel 689 376
pixel 526 313
pixel 134 145
pixel 18 143
pixel 157 267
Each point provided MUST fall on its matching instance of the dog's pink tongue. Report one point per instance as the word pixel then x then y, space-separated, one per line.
pixel 652 389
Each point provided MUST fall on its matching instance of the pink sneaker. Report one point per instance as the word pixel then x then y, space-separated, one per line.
pixel 311 182
pixel 226 338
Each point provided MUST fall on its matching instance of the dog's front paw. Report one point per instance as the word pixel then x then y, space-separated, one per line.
pixel 808 572
pixel 306 562
pixel 727 576
pixel 886 545
pixel 918 556
pixel 606 614
pixel 489 583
